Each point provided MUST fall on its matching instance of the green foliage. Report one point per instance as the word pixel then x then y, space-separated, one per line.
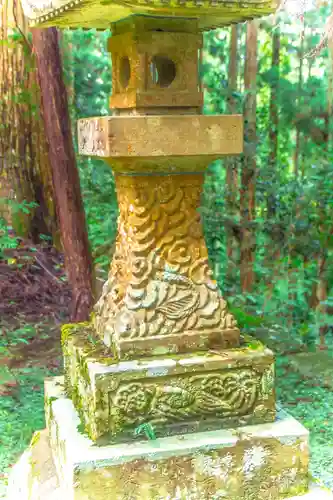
pixel 100 205
pixel 21 391
pixel 16 208
pixel 309 401
pixel 92 72
pixel 24 206
pixel 245 320
pixel 6 241
pixel 301 228
pixel 146 429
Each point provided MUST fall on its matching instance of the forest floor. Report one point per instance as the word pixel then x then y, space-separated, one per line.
pixel 34 303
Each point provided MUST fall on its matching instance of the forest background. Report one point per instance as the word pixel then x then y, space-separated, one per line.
pixel 268 214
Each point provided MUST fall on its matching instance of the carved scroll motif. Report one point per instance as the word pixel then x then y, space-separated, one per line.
pixel 216 395
pixel 160 284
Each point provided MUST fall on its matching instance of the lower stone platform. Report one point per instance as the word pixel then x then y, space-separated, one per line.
pixel 34 477
pixel 260 462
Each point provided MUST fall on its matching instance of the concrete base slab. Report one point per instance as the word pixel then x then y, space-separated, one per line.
pixel 315 493
pixel 34 477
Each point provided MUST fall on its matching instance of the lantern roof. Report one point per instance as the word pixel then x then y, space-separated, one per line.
pixel 100 14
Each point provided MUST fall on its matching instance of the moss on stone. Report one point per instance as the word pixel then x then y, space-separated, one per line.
pixel 93 376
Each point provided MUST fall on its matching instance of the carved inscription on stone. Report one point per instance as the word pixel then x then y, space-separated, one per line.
pixel 92 137
pixel 177 399
pixel 36 8
pixel 160 284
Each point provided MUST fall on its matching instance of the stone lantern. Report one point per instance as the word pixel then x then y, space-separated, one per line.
pixel 161 352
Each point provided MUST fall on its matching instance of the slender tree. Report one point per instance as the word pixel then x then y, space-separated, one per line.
pixel 330 91
pixel 65 176
pixel 299 91
pixel 322 288
pixel 24 166
pixel 247 190
pixel 293 270
pixel 273 251
pixel 232 163
pixel 274 121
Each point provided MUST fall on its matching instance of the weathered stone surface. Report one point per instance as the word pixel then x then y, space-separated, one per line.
pixel 98 14
pixel 315 493
pixel 34 477
pixel 170 76
pixel 185 143
pixel 160 296
pixel 46 484
pixel 263 462
pixel 179 393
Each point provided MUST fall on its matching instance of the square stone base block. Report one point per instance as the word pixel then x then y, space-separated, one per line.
pixel 176 394
pixel 261 462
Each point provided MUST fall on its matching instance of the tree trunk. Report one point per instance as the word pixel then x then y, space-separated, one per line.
pixel 273 250
pixel 330 94
pixel 322 287
pixel 321 295
pixel 232 163
pixel 24 163
pixel 67 55
pixel 274 124
pixel 300 86
pixel 247 191
pixel 293 272
pixel 65 175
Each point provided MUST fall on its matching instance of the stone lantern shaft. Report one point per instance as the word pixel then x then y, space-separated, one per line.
pixel 160 296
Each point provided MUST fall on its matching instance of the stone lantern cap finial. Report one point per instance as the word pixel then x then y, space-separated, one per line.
pixel 100 13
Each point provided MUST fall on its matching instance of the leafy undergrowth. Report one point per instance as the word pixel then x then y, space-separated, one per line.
pixel 28 354
pixel 34 301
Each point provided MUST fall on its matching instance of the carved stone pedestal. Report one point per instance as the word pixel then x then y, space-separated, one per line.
pixel 176 394
pixel 160 296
